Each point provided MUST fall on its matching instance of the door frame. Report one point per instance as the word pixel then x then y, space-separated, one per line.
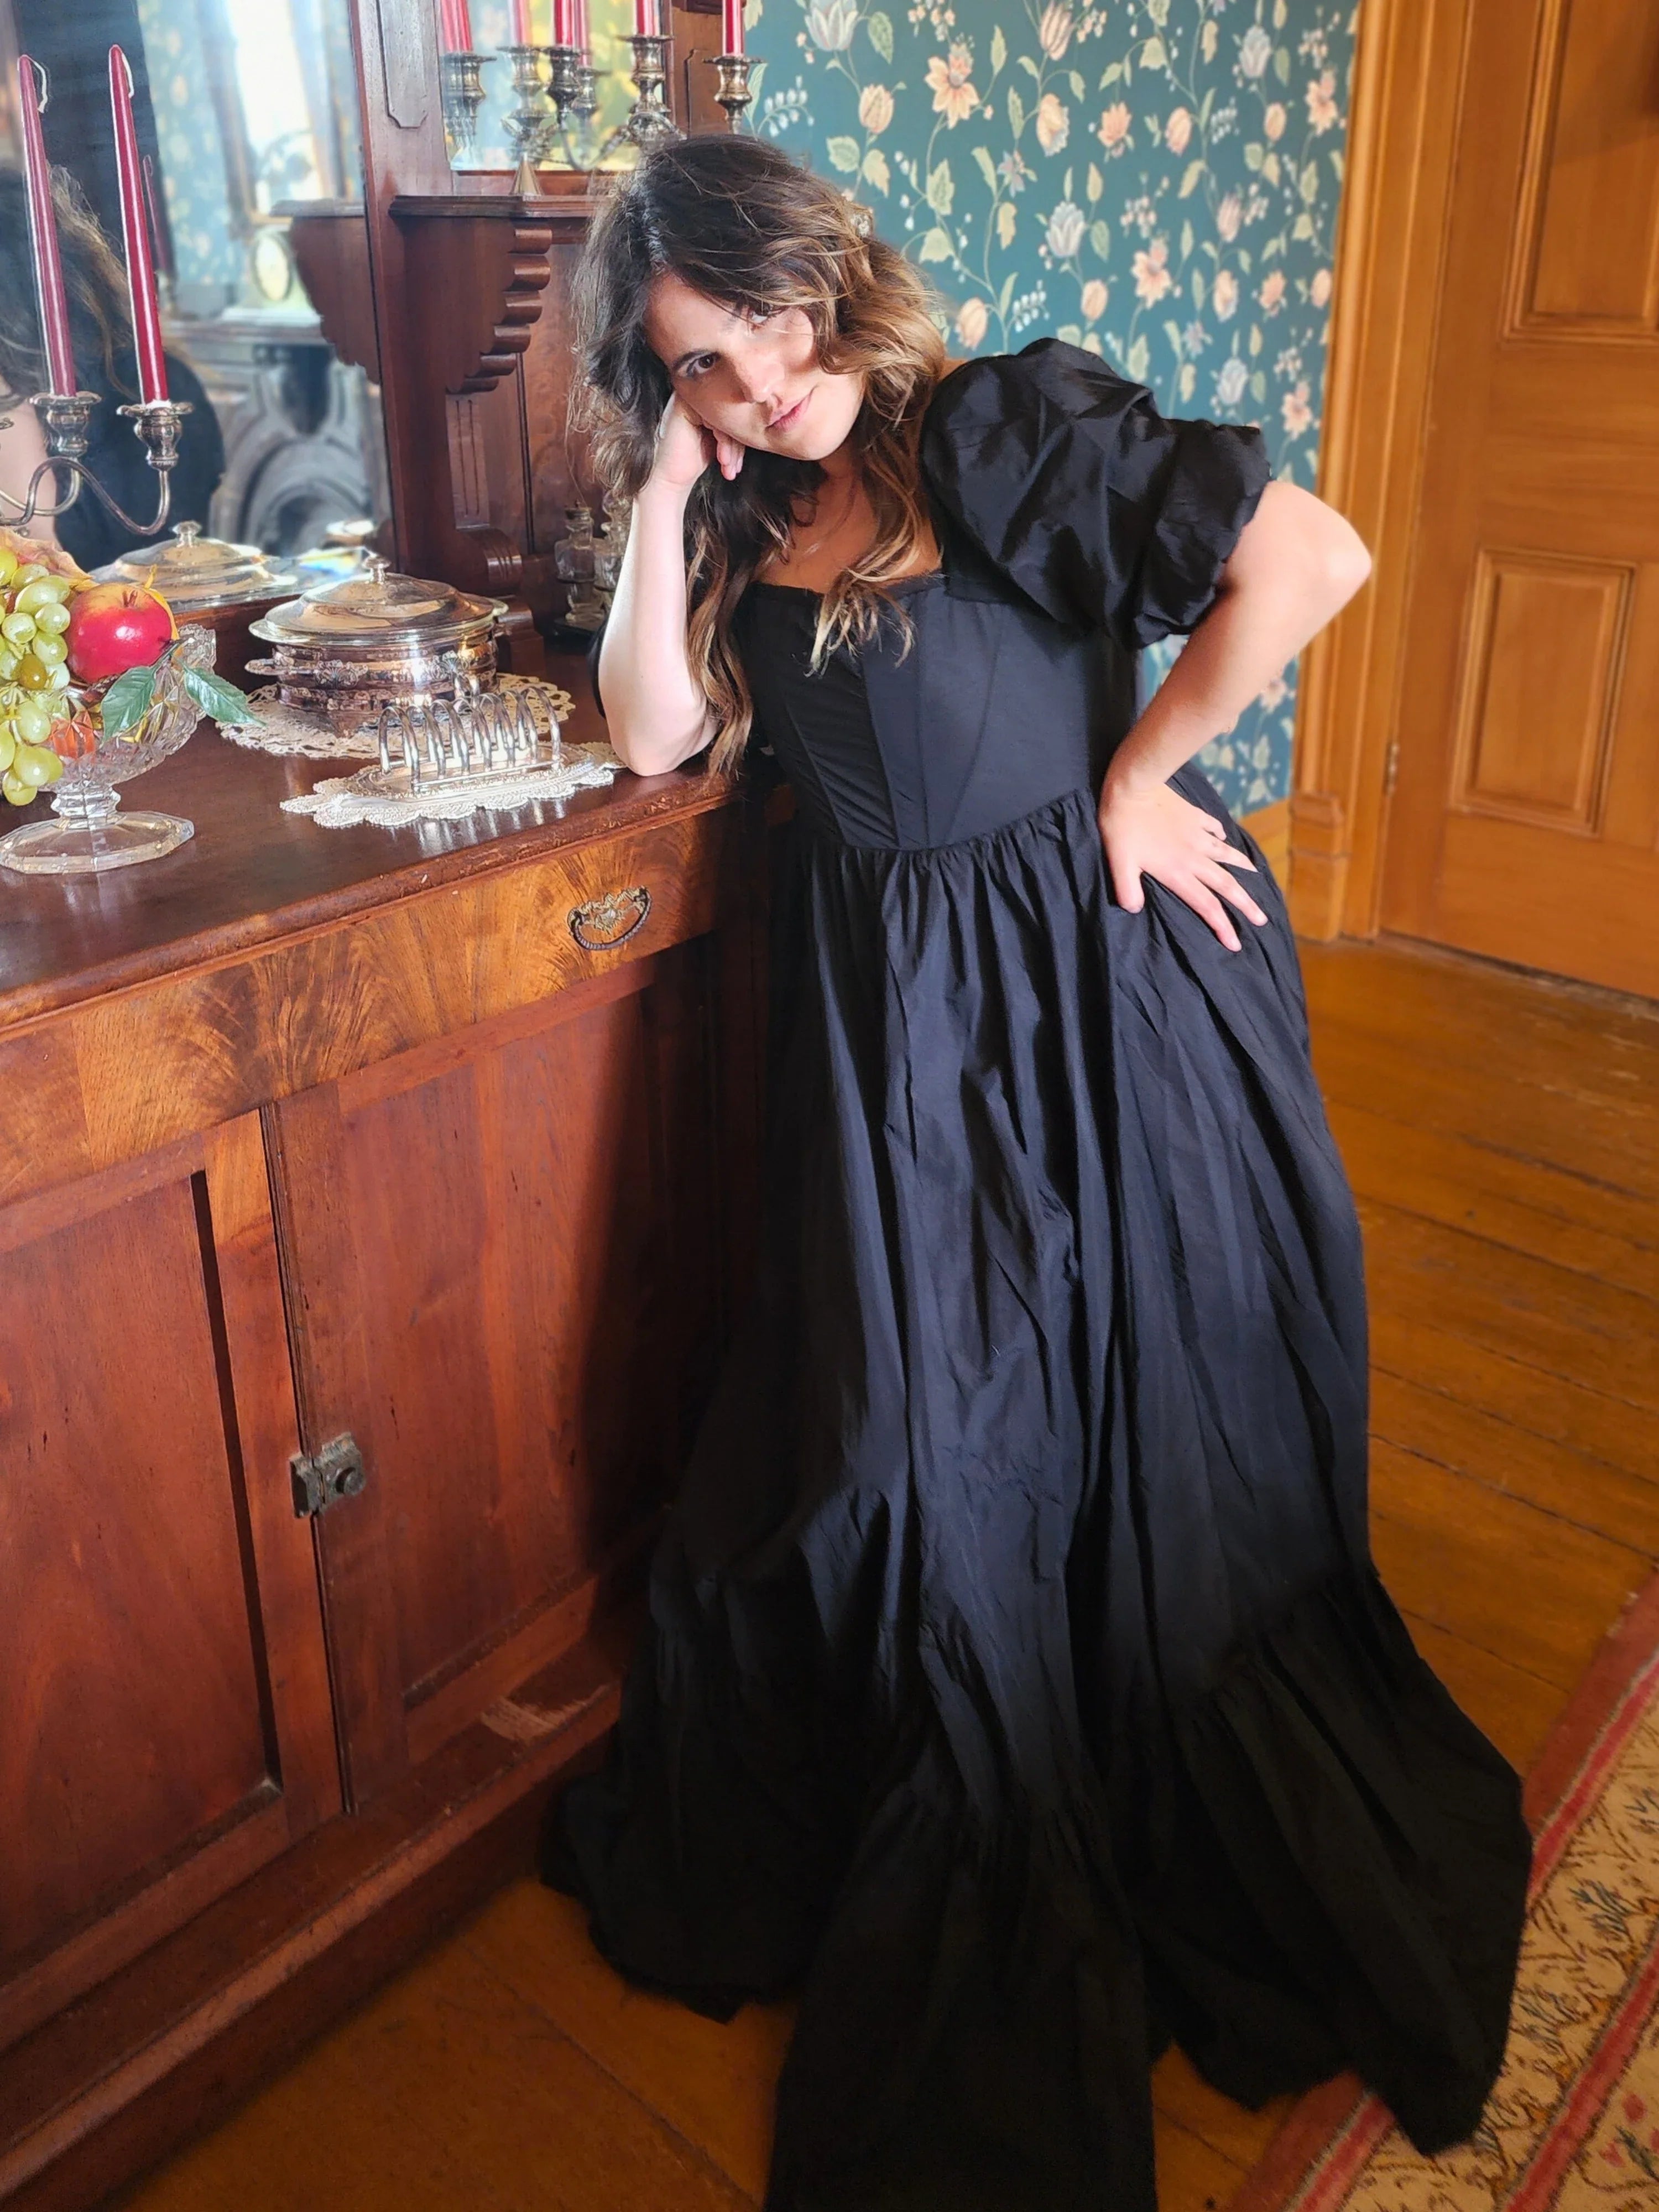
pixel 1409 67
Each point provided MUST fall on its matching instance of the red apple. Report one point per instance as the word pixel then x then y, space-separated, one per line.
pixel 115 627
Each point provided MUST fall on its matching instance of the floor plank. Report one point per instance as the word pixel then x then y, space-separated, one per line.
pixel 1502 1134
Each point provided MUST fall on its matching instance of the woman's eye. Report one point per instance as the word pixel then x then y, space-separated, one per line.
pixel 759 315
pixel 699 366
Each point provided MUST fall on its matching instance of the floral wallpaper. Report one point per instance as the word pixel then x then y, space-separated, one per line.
pixel 1156 180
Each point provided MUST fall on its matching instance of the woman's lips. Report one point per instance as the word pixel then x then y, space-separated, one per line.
pixel 788 421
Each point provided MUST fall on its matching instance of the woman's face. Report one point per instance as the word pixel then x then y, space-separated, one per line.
pixel 756 379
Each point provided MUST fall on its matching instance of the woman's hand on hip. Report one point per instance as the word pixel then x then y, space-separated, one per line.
pixel 685 449
pixel 1153 831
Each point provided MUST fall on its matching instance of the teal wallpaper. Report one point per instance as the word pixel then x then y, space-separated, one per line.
pixel 1156 181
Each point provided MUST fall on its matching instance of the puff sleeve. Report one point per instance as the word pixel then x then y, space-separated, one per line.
pixel 1066 479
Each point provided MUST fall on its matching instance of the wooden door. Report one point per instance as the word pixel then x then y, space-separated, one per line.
pixel 506 1250
pixel 165 1727
pixel 1525 821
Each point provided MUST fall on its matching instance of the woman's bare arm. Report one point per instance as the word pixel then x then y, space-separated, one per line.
pixel 1297 563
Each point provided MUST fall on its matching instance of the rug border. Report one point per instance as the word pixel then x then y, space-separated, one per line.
pixel 1312 2124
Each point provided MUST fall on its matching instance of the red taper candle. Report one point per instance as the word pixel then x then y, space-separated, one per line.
pixel 564 23
pixel 135 234
pixel 521 33
pixel 43 230
pixel 646 24
pixel 579 26
pixel 454 27
pixel 733 33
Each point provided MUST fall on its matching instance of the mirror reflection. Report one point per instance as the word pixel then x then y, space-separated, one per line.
pixel 246 119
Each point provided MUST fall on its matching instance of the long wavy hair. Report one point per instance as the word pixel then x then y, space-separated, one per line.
pixel 100 325
pixel 743 223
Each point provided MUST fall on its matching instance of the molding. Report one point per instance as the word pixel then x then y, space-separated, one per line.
pixel 1408 80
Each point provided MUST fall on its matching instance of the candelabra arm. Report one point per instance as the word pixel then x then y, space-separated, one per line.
pixel 64 417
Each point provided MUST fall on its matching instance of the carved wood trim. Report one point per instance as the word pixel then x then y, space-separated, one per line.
pixel 1408 85
pixel 476 276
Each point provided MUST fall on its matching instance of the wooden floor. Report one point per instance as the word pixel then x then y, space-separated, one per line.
pixel 1503 1135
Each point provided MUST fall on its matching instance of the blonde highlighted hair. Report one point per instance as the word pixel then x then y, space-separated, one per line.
pixel 741 222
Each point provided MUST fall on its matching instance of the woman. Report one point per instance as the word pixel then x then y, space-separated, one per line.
pixel 1018 1686
pixel 100 332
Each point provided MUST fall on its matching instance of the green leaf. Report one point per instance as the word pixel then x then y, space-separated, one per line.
pixel 1094 185
pixel 1308 185
pixel 936 246
pixel 1070 333
pixel 1141 355
pixel 1259 389
pixel 880 28
pixel 1172 332
pixel 1006 293
pixel 987 168
pixel 1244 260
pixel 1015 111
pixel 1199 287
pixel 875 168
pixel 844 153
pixel 1336 164
pixel 1100 237
pixel 1282 64
pixel 1255 340
pixel 1189 178
pixel 214 696
pixel 1186 239
pixel 1112 75
pixel 1204 108
pixel 941 192
pixel 1253 155
pixel 128 700
pixel 998 50
pixel 1153 56
pixel 1304 226
pixel 1030 67
pixel 1080 90
pixel 1066 185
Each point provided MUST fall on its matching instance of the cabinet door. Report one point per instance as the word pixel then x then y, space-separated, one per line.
pixel 507 1276
pixel 165 1726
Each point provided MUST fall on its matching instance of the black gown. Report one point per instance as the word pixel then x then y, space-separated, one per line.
pixel 1018 1688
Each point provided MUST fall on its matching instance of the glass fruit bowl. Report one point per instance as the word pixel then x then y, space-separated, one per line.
pixel 85 834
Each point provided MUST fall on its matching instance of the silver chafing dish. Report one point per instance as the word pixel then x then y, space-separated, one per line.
pixel 194 574
pixel 377 639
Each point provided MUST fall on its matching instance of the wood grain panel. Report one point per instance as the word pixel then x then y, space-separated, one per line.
pixel 1590 232
pixel 168 1727
pixel 1540 688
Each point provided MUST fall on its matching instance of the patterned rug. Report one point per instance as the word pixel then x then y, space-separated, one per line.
pixel 1573 2124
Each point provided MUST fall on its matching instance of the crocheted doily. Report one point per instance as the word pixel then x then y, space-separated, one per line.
pixel 343 802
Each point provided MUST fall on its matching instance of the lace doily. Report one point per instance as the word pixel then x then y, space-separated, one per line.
pixel 293 731
pixel 343 802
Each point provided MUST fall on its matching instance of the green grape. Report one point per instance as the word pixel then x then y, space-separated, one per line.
pixel 29 572
pixel 35 766
pixel 49 650
pixel 44 592
pixel 8 747
pixel 58 678
pixel 7 566
pixel 32 723
pixel 20 795
pixel 34 675
pixel 8 660
pixel 17 626
pixel 52 620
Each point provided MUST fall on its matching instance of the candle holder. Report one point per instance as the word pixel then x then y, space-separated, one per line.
pixel 732 87
pixel 530 123
pixel 573 89
pixel 649 122
pixel 460 76
pixel 65 418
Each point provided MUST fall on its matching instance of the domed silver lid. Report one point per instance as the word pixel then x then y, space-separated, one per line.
pixel 191 572
pixel 378 608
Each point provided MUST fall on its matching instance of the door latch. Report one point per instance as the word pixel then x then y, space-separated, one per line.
pixel 322 1478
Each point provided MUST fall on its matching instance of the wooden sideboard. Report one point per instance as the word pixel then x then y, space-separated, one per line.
pixel 307 1136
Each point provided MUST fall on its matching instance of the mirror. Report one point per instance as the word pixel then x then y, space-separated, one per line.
pixel 609 22
pixel 246 111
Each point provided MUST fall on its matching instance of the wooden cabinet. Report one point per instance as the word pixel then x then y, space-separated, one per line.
pixel 445 1148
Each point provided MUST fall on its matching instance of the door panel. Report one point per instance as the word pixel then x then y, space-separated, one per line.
pixel 510 1245
pixel 1525 821
pixel 165 1727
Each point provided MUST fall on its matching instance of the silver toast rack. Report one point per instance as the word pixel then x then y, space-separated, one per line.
pixel 447 744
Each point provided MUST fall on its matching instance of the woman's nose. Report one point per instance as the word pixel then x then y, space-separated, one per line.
pixel 756 378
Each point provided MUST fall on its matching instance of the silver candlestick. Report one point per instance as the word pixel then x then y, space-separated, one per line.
pixel 649 121
pixel 574 91
pixel 65 419
pixel 529 122
pixel 731 90
pixel 460 78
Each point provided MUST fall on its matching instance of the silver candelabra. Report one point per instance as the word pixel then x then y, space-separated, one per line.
pixel 65 419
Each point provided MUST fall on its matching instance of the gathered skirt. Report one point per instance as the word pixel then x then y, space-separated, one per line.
pixel 1018 1688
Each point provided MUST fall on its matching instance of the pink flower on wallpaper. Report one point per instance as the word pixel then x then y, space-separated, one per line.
pixel 1114 130
pixel 1322 100
pixel 1320 291
pixel 1229 215
pixel 1054 31
pixel 973 320
pixel 1093 301
pixel 951 85
pixel 1178 131
pixel 875 108
pixel 1294 407
pixel 1273 122
pixel 1054 124
pixel 1272 294
pixel 1224 295
pixel 1152 276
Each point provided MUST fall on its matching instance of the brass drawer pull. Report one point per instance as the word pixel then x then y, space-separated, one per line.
pixel 602 924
